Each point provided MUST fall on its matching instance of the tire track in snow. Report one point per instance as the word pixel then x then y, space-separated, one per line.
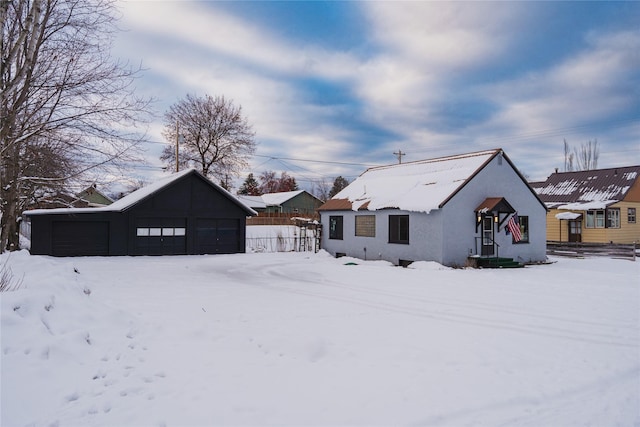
pixel 540 330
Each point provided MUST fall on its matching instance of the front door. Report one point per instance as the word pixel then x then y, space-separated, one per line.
pixel 487 235
pixel 575 231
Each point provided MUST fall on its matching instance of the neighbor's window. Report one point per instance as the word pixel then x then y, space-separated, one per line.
pixel 524 229
pixel 142 232
pixel 366 225
pixel 335 227
pixel 595 219
pixel 613 218
pixel 631 215
pixel 399 229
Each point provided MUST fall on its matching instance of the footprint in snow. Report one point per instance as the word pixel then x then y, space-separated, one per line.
pixel 72 397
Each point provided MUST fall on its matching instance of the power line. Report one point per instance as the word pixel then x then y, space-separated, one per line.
pixel 315 161
pixel 544 133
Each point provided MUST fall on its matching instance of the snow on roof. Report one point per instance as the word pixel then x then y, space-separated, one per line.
pixel 585 206
pixel 276 199
pixel 254 202
pixel 568 215
pixel 416 186
pixel 592 189
pixel 144 192
pixel 136 197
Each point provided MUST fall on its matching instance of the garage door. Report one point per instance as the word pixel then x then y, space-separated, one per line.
pixel 82 238
pixel 217 236
pixel 160 236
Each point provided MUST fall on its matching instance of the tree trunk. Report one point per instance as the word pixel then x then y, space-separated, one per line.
pixel 9 237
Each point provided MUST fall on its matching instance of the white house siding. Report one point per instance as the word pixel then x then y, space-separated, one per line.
pixel 494 180
pixel 425 234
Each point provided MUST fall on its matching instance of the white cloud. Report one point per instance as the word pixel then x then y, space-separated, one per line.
pixel 419 54
pixel 442 35
pixel 425 45
pixel 193 48
pixel 594 84
pixel 200 24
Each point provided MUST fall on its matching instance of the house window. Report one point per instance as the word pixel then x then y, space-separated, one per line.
pixel 399 229
pixel 631 215
pixel 335 227
pixel 595 219
pixel 613 218
pixel 366 225
pixel 524 229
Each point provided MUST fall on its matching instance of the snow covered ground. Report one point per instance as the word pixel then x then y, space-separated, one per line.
pixel 306 339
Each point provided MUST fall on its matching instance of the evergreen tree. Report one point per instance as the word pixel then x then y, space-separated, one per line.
pixel 338 184
pixel 250 187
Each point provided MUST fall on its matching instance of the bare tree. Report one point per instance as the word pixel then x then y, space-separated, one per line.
pixel 320 188
pixel 587 156
pixel 568 157
pixel 270 183
pixel 211 133
pixel 582 159
pixel 66 107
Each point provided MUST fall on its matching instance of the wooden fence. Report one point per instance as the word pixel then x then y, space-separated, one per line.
pixel 273 218
pixel 582 249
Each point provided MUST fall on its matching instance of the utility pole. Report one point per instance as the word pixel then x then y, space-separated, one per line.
pixel 399 155
pixel 177 141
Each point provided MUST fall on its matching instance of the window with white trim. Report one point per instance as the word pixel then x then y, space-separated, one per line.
pixel 594 219
pixel 613 218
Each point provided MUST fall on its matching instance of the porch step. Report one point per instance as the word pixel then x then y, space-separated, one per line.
pixel 498 263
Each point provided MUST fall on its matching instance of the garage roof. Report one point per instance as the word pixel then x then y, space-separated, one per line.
pixel 141 194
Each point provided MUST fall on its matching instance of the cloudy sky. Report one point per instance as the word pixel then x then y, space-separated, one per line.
pixel 331 88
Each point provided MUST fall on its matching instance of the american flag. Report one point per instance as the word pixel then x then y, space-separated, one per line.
pixel 513 225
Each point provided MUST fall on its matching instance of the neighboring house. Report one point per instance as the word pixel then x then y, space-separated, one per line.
pixel 58 200
pixel 254 202
pixel 445 210
pixel 291 202
pixel 94 197
pixel 184 213
pixel 595 206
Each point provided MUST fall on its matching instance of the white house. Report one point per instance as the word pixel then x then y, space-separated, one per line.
pixel 446 210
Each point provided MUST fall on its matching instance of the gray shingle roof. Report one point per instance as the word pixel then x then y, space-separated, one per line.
pixel 605 186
